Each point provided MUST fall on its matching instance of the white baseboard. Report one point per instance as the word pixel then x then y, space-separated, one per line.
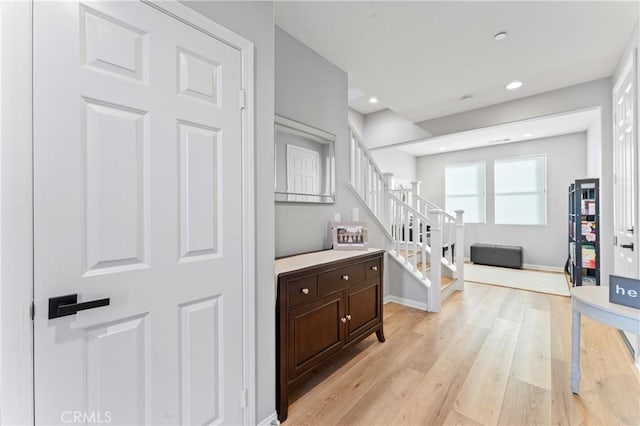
pixel 271 420
pixel 405 302
pixel 543 268
pixel 536 267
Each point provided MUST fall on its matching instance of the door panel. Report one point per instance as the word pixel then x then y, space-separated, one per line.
pixel 315 332
pixel 363 308
pixel 137 172
pixel 201 363
pixel 114 143
pixel 625 154
pixel 117 377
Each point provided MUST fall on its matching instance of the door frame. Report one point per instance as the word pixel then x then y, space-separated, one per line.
pixel 16 205
pixel 632 60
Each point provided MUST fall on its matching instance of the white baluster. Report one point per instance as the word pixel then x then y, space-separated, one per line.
pixel 352 157
pixel 372 186
pixel 459 250
pixel 424 249
pixel 398 230
pixel 365 175
pixel 405 235
pixel 415 188
pixel 414 234
pixel 387 201
pixel 436 255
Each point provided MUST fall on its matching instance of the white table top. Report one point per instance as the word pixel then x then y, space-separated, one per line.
pixel 598 297
pixel 301 261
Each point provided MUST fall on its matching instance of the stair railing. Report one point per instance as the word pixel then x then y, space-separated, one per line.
pixel 413 238
pixel 452 227
pixel 368 181
pixel 415 226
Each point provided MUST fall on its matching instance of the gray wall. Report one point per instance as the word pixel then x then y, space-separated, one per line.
pixel 544 245
pixel 386 127
pixel 254 21
pixel 393 160
pixel 311 90
pixel 587 95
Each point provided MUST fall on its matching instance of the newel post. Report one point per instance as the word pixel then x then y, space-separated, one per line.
pixel 415 191
pixel 459 250
pixel 435 217
pixel 386 198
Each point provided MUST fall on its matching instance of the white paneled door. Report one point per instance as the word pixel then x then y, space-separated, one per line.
pixel 625 153
pixel 303 175
pixel 137 192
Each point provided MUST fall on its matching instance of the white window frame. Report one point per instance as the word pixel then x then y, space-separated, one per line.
pixel 481 195
pixel 544 190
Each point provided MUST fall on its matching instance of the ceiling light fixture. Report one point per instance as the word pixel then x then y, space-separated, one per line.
pixel 466 98
pixel 513 85
pixel 373 100
pixel 527 135
pixel 500 36
pixel 442 148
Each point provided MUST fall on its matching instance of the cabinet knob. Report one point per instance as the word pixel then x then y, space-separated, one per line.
pixel 345 277
pixel 305 291
pixel 349 317
pixel 374 268
pixel 343 319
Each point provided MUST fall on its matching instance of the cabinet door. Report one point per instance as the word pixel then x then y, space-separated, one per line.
pixel 363 309
pixel 315 333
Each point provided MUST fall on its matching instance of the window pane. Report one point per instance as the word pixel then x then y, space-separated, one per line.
pixel 520 185
pixel 520 175
pixel 473 207
pixel 526 209
pixel 464 179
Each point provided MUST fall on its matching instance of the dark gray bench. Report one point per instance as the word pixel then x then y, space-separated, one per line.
pixel 497 255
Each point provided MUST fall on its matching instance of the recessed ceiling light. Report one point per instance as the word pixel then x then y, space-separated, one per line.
pixel 466 98
pixel 527 135
pixel 373 100
pixel 500 36
pixel 442 148
pixel 513 85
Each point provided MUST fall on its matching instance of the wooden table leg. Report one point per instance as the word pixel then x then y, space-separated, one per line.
pixel 575 351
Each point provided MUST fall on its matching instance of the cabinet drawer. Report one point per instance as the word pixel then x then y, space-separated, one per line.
pixel 372 269
pixel 302 290
pixel 340 278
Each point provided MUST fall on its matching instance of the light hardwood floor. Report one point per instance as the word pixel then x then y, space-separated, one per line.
pixel 493 355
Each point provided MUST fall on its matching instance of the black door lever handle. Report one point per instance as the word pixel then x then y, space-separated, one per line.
pixel 62 306
pixel 629 246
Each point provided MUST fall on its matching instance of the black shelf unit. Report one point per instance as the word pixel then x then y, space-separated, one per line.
pixel 584 232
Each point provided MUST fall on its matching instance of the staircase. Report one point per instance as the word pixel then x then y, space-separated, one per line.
pixel 422 237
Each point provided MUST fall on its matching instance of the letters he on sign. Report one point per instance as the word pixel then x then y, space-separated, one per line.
pixel 624 291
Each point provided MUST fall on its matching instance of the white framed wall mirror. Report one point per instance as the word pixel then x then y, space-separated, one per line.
pixel 305 163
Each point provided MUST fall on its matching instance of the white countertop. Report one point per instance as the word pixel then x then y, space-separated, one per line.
pixel 288 264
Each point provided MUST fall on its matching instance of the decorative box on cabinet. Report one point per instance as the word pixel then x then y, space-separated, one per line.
pixel 326 302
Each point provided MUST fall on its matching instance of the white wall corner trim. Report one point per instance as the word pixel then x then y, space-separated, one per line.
pixel 405 302
pixel 16 214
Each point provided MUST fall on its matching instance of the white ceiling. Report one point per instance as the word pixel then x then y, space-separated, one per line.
pixel 519 131
pixel 420 58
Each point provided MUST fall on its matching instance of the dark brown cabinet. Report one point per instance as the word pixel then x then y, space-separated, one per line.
pixel 322 310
